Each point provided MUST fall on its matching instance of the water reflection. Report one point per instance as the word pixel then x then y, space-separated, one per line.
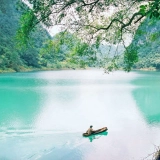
pixel 19 107
pixel 147 96
pixel 97 136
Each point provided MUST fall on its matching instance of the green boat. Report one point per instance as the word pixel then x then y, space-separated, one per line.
pixel 96 132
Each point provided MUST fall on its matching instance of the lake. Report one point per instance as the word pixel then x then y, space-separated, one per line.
pixel 43 115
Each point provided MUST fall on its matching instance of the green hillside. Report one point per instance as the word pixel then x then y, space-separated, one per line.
pixel 64 50
pixel 147 44
pixel 11 58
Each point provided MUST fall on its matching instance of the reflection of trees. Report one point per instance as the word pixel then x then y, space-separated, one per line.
pixel 97 136
pixel 147 97
pixel 19 101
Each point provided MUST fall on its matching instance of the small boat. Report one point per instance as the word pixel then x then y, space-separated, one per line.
pixel 96 132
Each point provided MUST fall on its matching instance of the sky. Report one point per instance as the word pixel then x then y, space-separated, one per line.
pixel 54 30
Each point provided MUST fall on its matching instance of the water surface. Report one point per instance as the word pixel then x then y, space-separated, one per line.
pixel 43 115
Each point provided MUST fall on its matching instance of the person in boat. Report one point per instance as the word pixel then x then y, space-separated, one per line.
pixel 90 130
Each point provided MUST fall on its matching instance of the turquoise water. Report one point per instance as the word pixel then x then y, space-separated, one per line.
pixel 43 115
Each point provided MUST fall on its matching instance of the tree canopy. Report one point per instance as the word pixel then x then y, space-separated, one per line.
pixel 94 21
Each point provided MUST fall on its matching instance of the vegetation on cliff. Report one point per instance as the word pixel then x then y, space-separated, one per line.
pixel 146 44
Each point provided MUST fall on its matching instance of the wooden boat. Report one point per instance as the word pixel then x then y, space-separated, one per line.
pixel 96 132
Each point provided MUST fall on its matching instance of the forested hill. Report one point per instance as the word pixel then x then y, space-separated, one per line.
pixel 147 43
pixel 64 50
pixel 10 57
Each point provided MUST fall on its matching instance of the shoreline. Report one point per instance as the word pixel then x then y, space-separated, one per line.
pixel 59 69
pixel 40 69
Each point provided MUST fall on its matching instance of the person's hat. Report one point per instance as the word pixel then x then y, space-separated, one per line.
pixel 91 126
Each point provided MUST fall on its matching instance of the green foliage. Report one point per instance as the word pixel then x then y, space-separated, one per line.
pixel 26 24
pixel 130 58
pixel 11 57
pixel 67 49
pixel 155 12
pixel 143 9
pixel 109 63
pixel 84 14
pixel 154 36
pixel 91 24
pixel 89 19
pixel 147 45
